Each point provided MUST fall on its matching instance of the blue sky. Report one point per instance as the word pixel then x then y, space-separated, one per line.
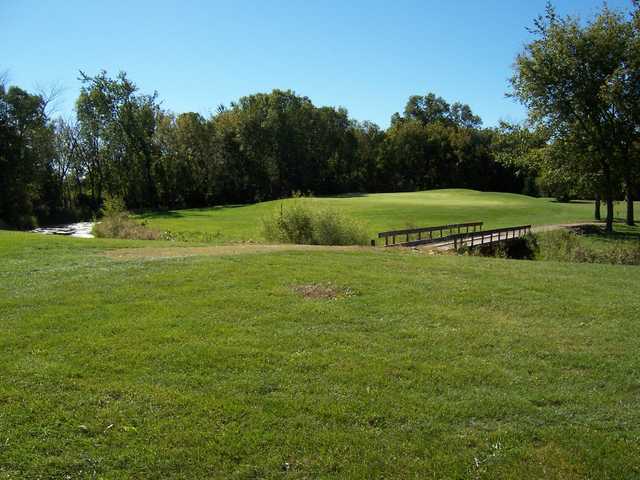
pixel 367 56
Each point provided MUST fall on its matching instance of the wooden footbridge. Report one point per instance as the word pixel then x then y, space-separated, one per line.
pixel 455 236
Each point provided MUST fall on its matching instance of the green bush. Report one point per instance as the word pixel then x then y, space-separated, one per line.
pixel 116 223
pixel 302 223
pixel 113 206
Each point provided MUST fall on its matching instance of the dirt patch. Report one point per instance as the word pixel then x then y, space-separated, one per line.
pixel 242 249
pixel 323 291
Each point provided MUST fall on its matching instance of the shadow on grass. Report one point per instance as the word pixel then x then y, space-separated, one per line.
pixel 345 195
pixel 621 232
pixel 575 202
pixel 171 214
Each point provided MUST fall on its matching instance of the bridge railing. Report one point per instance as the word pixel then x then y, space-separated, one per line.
pixel 420 236
pixel 487 237
pixel 473 236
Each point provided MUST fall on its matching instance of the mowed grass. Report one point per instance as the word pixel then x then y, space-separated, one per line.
pixel 379 212
pixel 217 367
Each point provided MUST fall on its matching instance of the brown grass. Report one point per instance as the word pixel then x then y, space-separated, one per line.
pixel 322 291
pixel 120 225
pixel 240 249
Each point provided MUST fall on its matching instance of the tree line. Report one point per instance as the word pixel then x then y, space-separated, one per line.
pixel 580 82
pixel 122 144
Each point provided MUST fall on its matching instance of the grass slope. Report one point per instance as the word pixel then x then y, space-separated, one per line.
pixel 215 367
pixel 381 212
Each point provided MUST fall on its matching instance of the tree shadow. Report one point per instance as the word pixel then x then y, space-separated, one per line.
pixel 621 232
pixel 172 214
pixel 578 202
pixel 346 195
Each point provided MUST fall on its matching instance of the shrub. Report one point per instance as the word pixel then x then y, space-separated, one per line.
pixel 116 223
pixel 302 223
pixel 113 206
pixel 558 245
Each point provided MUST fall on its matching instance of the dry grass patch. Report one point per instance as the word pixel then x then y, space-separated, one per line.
pixel 151 253
pixel 323 291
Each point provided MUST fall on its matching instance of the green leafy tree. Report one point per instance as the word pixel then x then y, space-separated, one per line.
pixel 118 126
pixel 622 91
pixel 430 109
pixel 28 190
pixel 564 77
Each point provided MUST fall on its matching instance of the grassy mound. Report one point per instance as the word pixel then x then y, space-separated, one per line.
pixel 378 211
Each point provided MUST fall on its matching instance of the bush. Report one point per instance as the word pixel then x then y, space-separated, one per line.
pixel 558 245
pixel 301 223
pixel 116 223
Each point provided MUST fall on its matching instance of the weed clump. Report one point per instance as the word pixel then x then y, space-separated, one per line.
pixel 301 223
pixel 322 291
pixel 117 223
pixel 568 246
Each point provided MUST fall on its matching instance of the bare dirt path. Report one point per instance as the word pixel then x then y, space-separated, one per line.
pixel 218 250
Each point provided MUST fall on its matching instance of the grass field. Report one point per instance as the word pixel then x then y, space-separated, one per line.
pixel 218 366
pixel 379 212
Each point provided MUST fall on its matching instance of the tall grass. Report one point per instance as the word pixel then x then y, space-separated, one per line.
pixel 304 223
pixel 117 223
pixel 567 246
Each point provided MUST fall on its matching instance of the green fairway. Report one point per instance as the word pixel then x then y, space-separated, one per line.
pixel 379 212
pixel 218 367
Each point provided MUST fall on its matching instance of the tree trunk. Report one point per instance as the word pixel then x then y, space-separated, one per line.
pixel 597 213
pixel 630 219
pixel 608 197
pixel 609 227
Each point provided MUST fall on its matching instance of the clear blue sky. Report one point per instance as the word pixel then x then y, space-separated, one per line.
pixel 368 56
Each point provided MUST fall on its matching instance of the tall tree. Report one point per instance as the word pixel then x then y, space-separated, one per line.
pixel 563 77
pixel 118 126
pixel 430 109
pixel 622 91
pixel 27 187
